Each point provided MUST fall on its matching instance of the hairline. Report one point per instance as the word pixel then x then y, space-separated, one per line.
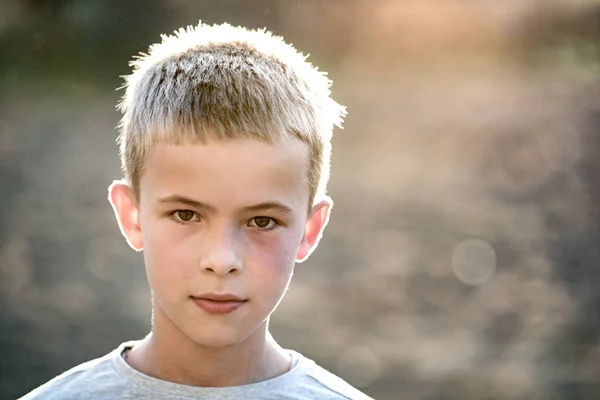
pixel 135 185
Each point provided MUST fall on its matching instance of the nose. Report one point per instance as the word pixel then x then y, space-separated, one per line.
pixel 221 255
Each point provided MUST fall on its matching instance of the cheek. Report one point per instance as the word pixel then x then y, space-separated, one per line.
pixel 165 255
pixel 275 255
pixel 171 254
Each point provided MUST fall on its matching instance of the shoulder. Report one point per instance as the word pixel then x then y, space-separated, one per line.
pixel 93 379
pixel 319 383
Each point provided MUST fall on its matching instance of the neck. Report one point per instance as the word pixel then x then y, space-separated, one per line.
pixel 256 358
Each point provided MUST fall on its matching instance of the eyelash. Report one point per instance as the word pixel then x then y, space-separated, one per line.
pixel 173 215
pixel 276 223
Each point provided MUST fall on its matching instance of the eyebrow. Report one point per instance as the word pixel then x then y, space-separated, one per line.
pixel 269 205
pixel 185 200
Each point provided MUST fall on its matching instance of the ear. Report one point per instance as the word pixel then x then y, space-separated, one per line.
pixel 319 217
pixel 126 210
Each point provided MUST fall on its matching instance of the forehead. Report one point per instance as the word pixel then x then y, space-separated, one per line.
pixel 229 174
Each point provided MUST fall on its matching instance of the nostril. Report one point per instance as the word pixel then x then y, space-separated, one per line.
pixel 220 267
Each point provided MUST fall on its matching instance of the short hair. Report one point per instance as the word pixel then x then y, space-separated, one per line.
pixel 220 81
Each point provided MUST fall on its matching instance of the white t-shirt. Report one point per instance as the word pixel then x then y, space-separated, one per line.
pixel 110 377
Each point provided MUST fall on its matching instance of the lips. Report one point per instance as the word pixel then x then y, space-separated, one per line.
pixel 217 303
pixel 220 297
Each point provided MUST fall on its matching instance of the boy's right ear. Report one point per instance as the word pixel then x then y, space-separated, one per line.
pixel 126 210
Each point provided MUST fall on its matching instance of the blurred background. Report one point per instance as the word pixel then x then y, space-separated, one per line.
pixel 462 258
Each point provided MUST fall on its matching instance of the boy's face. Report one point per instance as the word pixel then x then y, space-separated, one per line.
pixel 225 218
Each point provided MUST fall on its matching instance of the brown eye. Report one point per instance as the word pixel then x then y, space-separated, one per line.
pixel 184 215
pixel 262 222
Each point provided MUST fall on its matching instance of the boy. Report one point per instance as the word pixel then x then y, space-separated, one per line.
pixel 225 147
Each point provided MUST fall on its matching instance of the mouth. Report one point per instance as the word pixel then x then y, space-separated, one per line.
pixel 214 303
pixel 219 297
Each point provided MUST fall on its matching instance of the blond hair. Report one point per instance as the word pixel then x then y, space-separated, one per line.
pixel 221 81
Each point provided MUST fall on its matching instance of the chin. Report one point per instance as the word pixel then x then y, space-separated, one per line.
pixel 216 337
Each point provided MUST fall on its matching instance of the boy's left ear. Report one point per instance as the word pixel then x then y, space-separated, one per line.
pixel 319 217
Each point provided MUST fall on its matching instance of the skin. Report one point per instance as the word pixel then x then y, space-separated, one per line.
pixel 203 226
